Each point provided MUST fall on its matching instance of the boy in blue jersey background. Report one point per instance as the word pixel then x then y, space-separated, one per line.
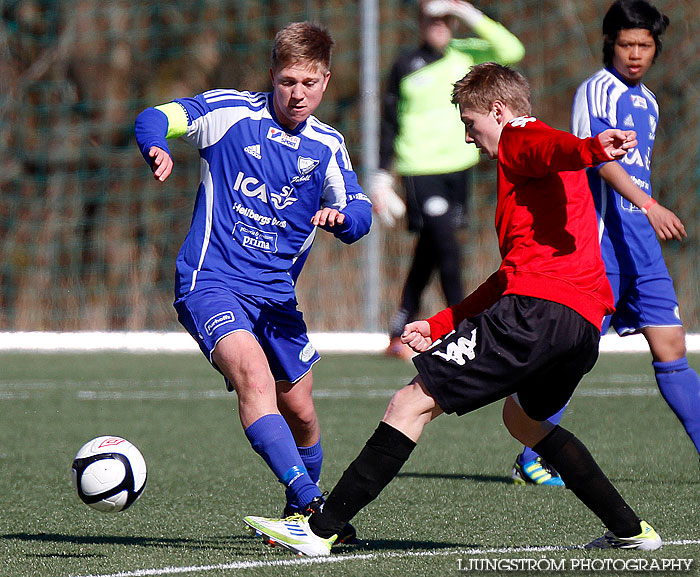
pixel 271 175
pixel 629 218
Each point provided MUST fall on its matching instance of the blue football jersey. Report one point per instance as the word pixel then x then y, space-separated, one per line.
pixel 260 186
pixel 628 241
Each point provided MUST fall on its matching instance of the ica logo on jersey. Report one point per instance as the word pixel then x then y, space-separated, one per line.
pixel 634 158
pixel 253 188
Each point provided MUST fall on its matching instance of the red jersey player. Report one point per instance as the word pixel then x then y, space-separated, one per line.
pixel 528 334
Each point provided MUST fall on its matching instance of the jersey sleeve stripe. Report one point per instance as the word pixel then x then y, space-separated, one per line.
pixel 580 118
pixel 220 95
pixel 334 189
pixel 218 122
pixel 651 97
pixel 331 138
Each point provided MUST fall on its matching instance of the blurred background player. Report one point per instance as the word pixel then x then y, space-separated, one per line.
pixel 629 218
pixel 271 174
pixel 422 142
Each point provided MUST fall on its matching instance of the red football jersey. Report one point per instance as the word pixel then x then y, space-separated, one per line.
pixel 546 225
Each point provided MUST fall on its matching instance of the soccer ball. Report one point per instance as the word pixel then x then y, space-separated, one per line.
pixel 109 474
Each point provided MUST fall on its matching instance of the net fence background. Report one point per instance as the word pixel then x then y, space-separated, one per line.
pixel 88 239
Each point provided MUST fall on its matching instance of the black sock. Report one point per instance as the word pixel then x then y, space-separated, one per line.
pixel 377 464
pixel 587 481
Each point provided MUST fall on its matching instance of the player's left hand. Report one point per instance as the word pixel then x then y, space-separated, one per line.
pixel 617 142
pixel 665 222
pixel 328 217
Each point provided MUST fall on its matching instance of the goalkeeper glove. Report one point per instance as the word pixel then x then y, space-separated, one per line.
pixel 386 203
pixel 462 10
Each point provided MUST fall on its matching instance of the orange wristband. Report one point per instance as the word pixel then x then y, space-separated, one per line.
pixel 651 202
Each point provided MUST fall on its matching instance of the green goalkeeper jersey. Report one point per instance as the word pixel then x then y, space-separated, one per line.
pixel 421 128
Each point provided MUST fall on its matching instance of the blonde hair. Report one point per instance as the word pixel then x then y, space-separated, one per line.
pixel 302 43
pixel 487 82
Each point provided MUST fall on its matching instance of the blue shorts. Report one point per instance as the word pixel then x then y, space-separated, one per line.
pixel 211 313
pixel 642 301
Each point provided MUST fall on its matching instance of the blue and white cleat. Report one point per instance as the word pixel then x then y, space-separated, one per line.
pixel 535 472
pixel 647 540
pixel 292 533
pixel 346 536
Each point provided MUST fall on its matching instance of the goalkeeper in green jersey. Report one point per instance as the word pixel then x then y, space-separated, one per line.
pixel 422 142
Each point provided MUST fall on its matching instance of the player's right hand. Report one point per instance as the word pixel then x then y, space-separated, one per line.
pixel 617 142
pixel 417 336
pixel 386 204
pixel 463 10
pixel 162 164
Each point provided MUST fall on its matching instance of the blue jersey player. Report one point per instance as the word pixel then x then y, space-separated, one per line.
pixel 629 217
pixel 271 175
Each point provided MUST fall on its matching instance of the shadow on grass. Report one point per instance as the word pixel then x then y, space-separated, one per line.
pixel 109 540
pixel 458 477
pixel 62 556
pixel 378 545
pixel 241 544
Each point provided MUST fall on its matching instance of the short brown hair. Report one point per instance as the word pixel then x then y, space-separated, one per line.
pixel 302 43
pixel 487 82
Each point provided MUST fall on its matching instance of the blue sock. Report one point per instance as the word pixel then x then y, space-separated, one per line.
pixel 272 439
pixel 313 458
pixel 680 387
pixel 528 454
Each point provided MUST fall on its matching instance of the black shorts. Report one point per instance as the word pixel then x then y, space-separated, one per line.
pixel 536 348
pixel 437 200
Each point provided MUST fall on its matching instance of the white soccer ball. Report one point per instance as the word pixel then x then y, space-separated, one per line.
pixel 109 474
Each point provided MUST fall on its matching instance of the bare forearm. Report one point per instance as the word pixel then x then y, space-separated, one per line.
pixel 665 223
pixel 620 180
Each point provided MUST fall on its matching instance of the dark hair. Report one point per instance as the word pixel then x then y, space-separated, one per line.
pixel 627 14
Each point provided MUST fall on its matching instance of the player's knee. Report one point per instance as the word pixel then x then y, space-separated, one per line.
pixel 677 348
pixel 252 385
pixel 511 424
pixel 301 421
pixel 666 345
pixel 410 402
pixel 519 425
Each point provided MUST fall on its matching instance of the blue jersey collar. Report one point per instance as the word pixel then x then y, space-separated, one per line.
pixel 271 108
pixel 616 74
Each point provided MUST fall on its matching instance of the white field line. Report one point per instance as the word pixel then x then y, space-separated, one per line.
pixel 323 394
pixel 171 391
pixel 622 385
pixel 335 559
pixel 181 342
